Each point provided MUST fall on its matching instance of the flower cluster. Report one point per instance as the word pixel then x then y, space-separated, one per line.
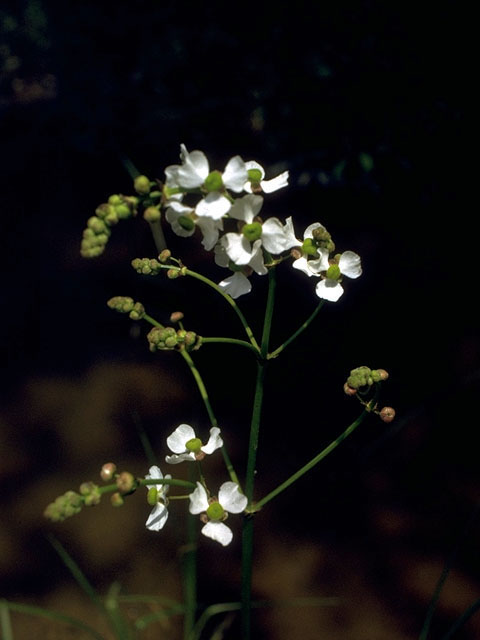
pixel 213 511
pixel 226 208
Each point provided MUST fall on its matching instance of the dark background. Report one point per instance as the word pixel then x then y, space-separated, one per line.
pixel 365 104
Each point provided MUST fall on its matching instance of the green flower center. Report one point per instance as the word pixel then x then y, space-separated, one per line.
pixel 194 445
pixel 152 496
pixel 309 247
pixel 254 175
pixel 252 231
pixel 333 272
pixel 213 181
pixel 215 511
pixel 186 223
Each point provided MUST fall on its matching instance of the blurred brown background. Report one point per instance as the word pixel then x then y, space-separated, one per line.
pixel 365 105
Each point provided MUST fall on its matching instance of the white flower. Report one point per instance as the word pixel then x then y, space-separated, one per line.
pixel 194 172
pixel 230 500
pixel 186 446
pixel 159 514
pixel 244 248
pixel 267 186
pixel 184 220
pixel 330 288
pixel 314 266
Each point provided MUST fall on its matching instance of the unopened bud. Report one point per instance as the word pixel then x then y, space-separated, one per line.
pixel 108 471
pixel 165 255
pixel 350 391
pixel 125 482
pixel 176 316
pixel 152 214
pixel 116 499
pixel 173 274
pixel 387 414
pixel 141 184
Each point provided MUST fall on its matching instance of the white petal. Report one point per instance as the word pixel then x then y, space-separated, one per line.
pixel 219 532
pixel 220 255
pixel 256 261
pixel 231 498
pixel 235 174
pixel 238 248
pixel 252 164
pixel 280 181
pixel 246 208
pixel 194 170
pixel 210 229
pixel 198 500
pixel 311 227
pixel 172 218
pixel 290 239
pixel 180 208
pixel 329 290
pixel 273 236
pixel 350 264
pixel 214 205
pixel 321 263
pixel 177 458
pixel 157 518
pixel 236 285
pixel 214 442
pixel 154 473
pixel 302 265
pixel 177 440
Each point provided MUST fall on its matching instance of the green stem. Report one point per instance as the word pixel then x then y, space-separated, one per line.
pixel 225 296
pixel 314 461
pixel 206 401
pixel 158 236
pixel 189 571
pixel 300 330
pixel 241 343
pixel 247 534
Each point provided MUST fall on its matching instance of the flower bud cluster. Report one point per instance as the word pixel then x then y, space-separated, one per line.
pixel 168 338
pixel 146 266
pixel 124 304
pixel 364 377
pixel 107 215
pixel 65 506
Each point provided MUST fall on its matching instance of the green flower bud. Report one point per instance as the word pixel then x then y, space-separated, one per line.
pixel 172 274
pixel 215 511
pixel 152 496
pixel 141 184
pixel 213 181
pixel 252 231
pixel 190 338
pixel 152 214
pixel 115 199
pixel 379 375
pixel 146 266
pixel 97 225
pixel 360 377
pixel 112 218
pixel 123 211
pixel 176 316
pixel 103 210
pixel 137 312
pixel 194 445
